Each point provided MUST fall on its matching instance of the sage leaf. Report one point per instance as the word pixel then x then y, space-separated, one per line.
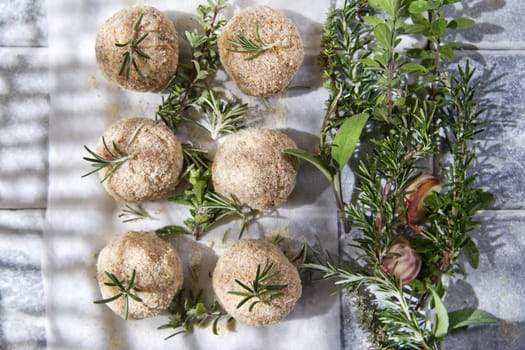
pixel 441 325
pixel 470 317
pixel 345 141
pixel 316 161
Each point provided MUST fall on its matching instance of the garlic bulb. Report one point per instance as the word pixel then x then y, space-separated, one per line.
pixel 402 261
pixel 417 191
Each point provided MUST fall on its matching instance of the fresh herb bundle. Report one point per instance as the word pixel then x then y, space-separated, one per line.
pixel 408 229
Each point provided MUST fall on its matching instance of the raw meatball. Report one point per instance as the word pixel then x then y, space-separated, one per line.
pixel 250 165
pixel 240 263
pixel 155 160
pixel 271 71
pixel 160 45
pixel 158 273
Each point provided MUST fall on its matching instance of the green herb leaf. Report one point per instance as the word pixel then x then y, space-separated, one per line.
pixel 471 251
pixel 413 68
pixel 470 317
pixel 373 20
pixel 418 7
pixel 441 325
pixel 382 35
pixel 312 159
pixel 461 23
pixel 347 137
pixel 172 230
pixel 439 26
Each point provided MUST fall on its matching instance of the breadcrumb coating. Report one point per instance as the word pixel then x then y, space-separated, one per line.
pixel 155 163
pixel 272 71
pixel 250 165
pixel 240 262
pixel 158 270
pixel 161 45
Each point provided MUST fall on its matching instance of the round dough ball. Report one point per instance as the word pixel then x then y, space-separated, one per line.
pixel 158 273
pixel 155 160
pixel 160 45
pixel 271 71
pixel 250 165
pixel 240 263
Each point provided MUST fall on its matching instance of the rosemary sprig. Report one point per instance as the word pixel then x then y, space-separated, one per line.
pixel 222 117
pixel 114 160
pixel 123 291
pixel 247 46
pixel 261 289
pixel 187 311
pixel 133 213
pixel 132 44
pixel 408 107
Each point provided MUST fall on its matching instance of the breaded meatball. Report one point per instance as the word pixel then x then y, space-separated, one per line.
pixel 271 71
pixel 158 273
pixel 153 160
pixel 137 48
pixel 241 262
pixel 250 166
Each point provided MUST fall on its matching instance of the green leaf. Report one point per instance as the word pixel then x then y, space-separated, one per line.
pixel 418 7
pixel 471 251
pixel 370 62
pixel 383 35
pixel 372 20
pixel 440 327
pixel 470 317
pixel 312 159
pixel 415 28
pixel 461 23
pixel 347 137
pixel 439 26
pixel 446 51
pixel 433 4
pixel 389 6
pixel 413 68
pixel 171 230
pixel 482 200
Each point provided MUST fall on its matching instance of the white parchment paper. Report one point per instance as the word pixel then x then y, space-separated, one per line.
pixel 82 218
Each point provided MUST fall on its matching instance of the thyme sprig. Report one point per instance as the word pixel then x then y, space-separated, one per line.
pixel 114 160
pixel 132 44
pixel 262 289
pixel 123 291
pixel 189 83
pixel 250 48
pixel 208 207
pixel 187 311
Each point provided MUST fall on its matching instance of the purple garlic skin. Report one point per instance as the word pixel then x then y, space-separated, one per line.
pixel 417 191
pixel 402 261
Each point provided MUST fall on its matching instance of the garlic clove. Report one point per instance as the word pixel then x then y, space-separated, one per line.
pixel 417 191
pixel 402 261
